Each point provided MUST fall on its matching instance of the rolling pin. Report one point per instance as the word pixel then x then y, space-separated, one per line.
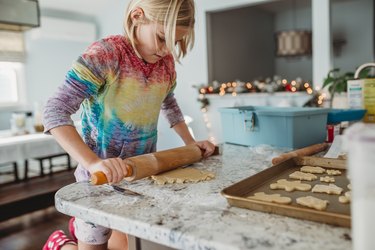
pixel 154 163
pixel 310 150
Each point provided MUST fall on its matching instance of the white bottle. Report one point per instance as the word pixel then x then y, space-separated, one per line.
pixel 18 123
pixel 359 141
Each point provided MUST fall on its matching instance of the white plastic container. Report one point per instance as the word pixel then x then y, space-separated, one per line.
pixel 359 142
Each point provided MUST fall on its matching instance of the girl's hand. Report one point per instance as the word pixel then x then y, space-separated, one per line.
pixel 207 147
pixel 114 169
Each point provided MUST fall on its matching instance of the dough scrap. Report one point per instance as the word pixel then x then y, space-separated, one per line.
pixel 312 170
pixel 346 198
pixel 276 198
pixel 182 175
pixel 312 202
pixel 329 189
pixel 303 176
pixel 333 172
pixel 290 186
pixel 327 179
pixel 349 186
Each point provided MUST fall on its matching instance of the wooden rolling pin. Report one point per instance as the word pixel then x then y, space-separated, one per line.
pixel 154 163
pixel 310 150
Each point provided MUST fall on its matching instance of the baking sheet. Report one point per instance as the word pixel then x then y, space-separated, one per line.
pixel 336 213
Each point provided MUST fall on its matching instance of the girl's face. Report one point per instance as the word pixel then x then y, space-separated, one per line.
pixel 151 41
pixel 151 38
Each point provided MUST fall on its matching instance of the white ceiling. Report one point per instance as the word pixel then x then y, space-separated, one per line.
pixel 88 7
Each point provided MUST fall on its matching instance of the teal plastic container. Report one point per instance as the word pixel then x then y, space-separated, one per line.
pixel 292 127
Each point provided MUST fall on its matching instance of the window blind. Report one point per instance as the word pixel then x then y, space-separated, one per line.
pixel 12 48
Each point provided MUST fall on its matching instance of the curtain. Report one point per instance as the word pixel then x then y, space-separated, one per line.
pixel 12 47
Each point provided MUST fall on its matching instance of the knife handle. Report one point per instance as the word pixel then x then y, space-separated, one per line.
pixel 99 178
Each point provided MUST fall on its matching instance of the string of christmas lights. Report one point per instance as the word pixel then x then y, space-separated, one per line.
pixel 258 86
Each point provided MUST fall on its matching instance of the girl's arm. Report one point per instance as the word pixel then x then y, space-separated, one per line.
pixel 68 137
pixel 183 131
pixel 83 82
pixel 72 143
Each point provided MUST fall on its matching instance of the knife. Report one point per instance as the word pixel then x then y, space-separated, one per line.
pixel 121 190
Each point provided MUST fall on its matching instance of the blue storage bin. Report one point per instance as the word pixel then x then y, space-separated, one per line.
pixel 293 127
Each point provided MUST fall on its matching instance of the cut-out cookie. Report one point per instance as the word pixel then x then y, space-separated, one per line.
pixel 182 175
pixel 333 172
pixel 312 170
pixel 328 179
pixel 312 202
pixel 303 176
pixel 349 186
pixel 276 198
pixel 346 198
pixel 290 186
pixel 329 189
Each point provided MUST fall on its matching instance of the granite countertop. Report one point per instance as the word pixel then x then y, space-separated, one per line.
pixel 196 215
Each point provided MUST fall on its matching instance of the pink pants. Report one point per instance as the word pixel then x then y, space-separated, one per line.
pixel 91 233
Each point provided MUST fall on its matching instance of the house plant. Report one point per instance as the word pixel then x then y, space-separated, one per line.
pixel 337 83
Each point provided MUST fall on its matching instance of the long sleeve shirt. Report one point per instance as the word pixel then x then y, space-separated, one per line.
pixel 121 97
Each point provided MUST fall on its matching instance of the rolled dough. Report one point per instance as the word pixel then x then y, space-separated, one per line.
pixel 182 175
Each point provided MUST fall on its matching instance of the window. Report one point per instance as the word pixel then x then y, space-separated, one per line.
pixel 9 83
pixel 11 67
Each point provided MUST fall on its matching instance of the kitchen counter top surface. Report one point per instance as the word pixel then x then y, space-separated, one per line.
pixel 196 215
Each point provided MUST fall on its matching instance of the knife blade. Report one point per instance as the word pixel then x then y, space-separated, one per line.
pixel 122 190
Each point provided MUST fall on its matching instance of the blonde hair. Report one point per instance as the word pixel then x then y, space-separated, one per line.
pixel 169 13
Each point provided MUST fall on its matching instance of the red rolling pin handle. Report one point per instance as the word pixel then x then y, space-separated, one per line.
pixel 99 178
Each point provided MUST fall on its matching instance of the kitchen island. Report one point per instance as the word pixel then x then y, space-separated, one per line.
pixel 196 215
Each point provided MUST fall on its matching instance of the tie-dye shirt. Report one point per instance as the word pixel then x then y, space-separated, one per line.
pixel 121 97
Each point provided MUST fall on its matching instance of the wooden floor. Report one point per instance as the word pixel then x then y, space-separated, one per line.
pixel 30 231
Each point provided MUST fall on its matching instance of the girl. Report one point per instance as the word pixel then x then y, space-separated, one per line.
pixel 122 83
